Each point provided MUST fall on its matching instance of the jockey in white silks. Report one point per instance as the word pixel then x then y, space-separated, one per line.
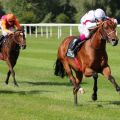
pixel 88 22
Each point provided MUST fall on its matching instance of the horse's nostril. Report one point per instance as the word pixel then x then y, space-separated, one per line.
pixel 114 42
pixel 23 46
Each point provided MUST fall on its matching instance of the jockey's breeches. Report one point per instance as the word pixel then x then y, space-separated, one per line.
pixel 84 31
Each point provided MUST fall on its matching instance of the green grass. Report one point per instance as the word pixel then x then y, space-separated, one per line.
pixel 43 96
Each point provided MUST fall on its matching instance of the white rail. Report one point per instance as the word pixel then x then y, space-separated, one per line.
pixel 48 29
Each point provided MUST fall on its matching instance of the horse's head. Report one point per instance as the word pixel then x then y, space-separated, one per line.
pixel 19 38
pixel 109 32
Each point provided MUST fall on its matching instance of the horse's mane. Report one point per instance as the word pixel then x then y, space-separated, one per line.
pixel 9 39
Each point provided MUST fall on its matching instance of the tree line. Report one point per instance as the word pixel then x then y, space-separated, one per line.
pixel 56 11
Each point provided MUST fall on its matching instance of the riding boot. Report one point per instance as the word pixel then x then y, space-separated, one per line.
pixel 72 48
pixel 1 40
pixel 77 47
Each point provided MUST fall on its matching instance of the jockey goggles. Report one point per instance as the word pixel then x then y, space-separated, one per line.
pixel 10 21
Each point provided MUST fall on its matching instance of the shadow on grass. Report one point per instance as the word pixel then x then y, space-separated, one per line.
pixel 102 103
pixel 115 102
pixel 23 92
pixel 111 102
pixel 49 83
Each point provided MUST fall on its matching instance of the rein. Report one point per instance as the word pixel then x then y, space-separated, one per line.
pixel 92 39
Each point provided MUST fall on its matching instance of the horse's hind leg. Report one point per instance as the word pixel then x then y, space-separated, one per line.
pixel 72 79
pixel 79 76
pixel 107 73
pixel 8 75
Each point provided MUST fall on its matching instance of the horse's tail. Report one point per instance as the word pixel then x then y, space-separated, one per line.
pixel 59 69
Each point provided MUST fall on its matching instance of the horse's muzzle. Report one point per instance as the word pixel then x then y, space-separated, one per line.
pixel 114 42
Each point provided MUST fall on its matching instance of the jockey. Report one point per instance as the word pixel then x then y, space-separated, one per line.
pixel 8 23
pixel 88 22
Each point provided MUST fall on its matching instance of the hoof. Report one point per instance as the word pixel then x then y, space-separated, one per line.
pixel 81 90
pixel 75 90
pixel 94 97
pixel 6 83
pixel 118 89
pixel 16 84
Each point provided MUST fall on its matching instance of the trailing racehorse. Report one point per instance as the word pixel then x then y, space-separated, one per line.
pixel 90 59
pixel 10 50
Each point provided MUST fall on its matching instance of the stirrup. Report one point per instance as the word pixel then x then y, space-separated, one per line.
pixel 70 53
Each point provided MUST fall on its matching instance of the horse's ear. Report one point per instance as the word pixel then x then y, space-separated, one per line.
pixel 21 33
pixel 114 21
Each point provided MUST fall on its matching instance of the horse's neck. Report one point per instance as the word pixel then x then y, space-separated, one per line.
pixel 97 42
pixel 10 42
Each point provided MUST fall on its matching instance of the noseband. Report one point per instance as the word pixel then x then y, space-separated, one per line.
pixel 108 34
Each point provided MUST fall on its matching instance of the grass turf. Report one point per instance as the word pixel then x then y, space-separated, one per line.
pixel 43 96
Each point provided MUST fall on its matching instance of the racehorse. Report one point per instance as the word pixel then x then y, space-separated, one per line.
pixel 10 50
pixel 90 59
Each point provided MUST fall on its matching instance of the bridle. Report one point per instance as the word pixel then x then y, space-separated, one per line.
pixel 104 35
pixel 23 38
pixel 108 34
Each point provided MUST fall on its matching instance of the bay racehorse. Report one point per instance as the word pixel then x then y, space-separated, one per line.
pixel 10 50
pixel 90 59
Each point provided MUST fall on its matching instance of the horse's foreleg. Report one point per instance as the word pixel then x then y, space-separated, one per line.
pixel 88 73
pixel 8 75
pixel 94 95
pixel 107 73
pixel 72 79
pixel 12 71
pixel 13 75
